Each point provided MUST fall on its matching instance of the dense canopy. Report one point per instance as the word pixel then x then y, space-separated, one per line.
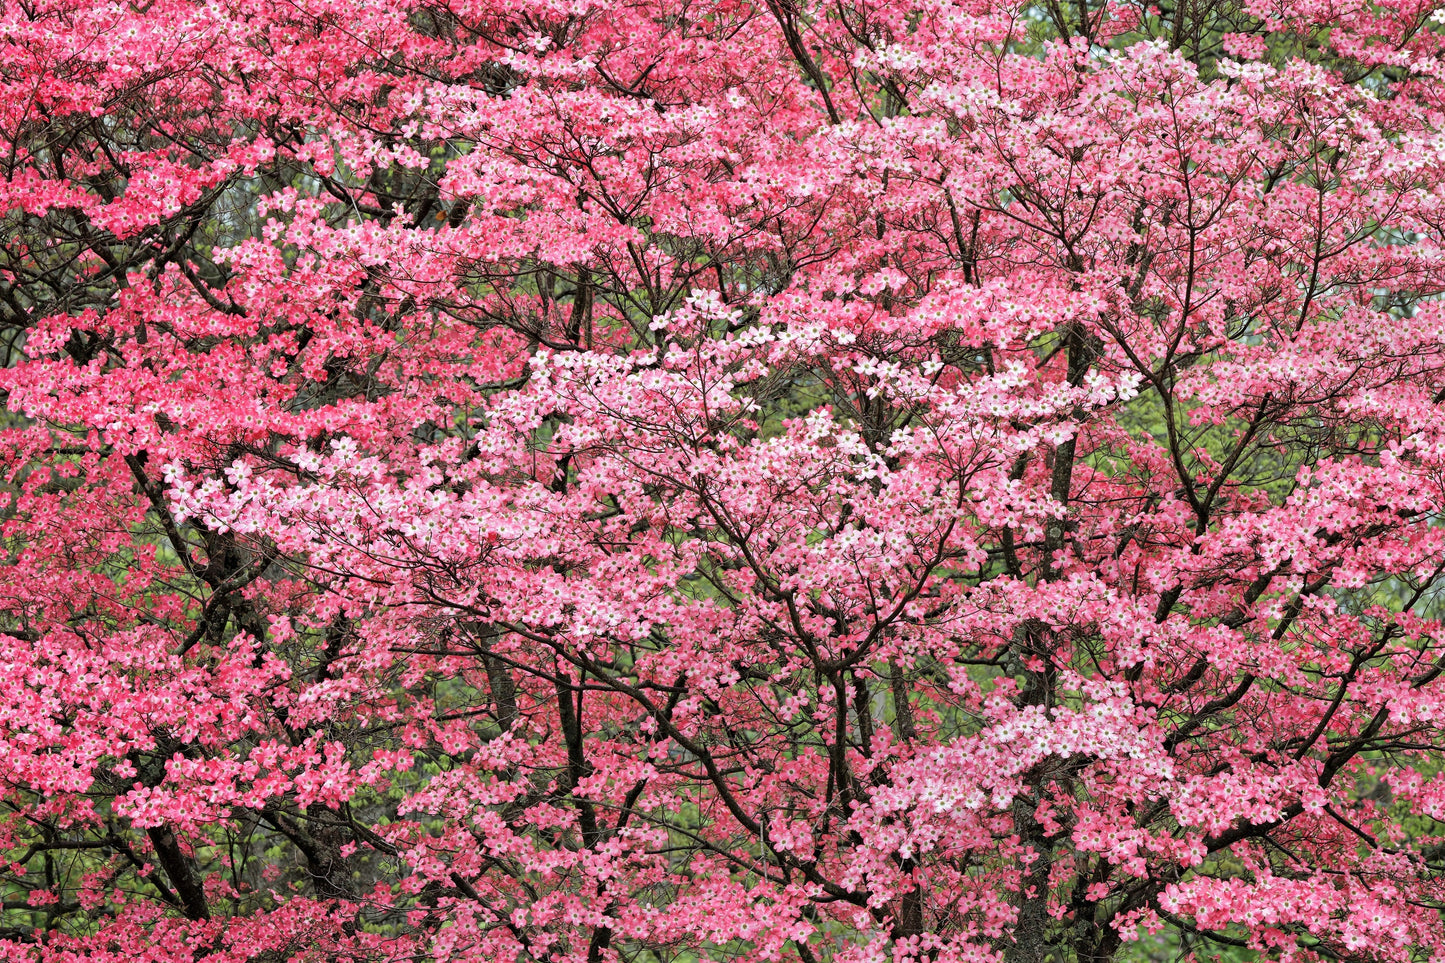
pixel 635 481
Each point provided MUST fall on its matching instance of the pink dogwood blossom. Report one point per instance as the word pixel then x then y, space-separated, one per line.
pixel 590 481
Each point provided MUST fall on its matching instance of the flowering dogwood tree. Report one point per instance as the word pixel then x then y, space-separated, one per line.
pixel 651 480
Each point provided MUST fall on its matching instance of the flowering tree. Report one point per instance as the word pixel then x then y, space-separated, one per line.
pixel 650 480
